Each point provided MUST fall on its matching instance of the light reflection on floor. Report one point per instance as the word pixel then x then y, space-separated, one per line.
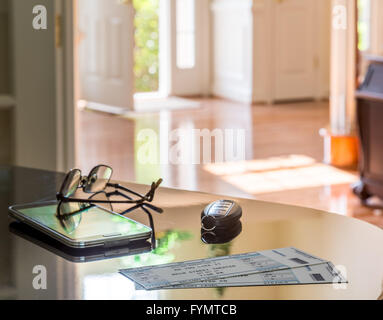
pixel 297 180
pixel 271 132
pixel 280 174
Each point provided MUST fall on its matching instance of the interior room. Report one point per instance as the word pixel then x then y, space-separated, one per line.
pixel 274 101
pixel 224 64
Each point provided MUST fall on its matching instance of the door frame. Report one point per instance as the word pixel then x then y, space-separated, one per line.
pixel 66 84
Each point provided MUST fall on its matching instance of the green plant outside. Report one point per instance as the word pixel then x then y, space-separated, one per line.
pixel 146 62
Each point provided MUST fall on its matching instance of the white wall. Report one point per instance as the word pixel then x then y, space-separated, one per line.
pixel 376 28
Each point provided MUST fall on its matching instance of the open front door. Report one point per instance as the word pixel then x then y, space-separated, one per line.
pixel 188 46
pixel 106 42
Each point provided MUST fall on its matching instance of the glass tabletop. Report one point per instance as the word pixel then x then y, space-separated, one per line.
pixel 350 244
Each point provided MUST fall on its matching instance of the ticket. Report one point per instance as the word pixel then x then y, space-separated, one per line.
pixel 159 276
pixel 311 274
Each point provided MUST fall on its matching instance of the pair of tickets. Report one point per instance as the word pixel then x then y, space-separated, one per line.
pixel 271 267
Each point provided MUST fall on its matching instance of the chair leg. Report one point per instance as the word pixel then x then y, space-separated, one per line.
pixel 360 190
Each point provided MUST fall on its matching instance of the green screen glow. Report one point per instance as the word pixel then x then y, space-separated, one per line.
pixel 91 222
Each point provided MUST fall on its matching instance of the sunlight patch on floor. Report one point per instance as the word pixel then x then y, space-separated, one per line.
pixel 280 174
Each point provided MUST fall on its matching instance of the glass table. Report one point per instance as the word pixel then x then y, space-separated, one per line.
pixel 351 244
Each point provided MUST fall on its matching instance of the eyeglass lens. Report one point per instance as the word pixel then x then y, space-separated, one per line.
pixel 70 214
pixel 98 179
pixel 71 183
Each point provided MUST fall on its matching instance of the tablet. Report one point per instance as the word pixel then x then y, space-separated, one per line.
pixel 94 226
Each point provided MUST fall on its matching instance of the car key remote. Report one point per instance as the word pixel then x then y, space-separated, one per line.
pixel 220 214
pixel 220 236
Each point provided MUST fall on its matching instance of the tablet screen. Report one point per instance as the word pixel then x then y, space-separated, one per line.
pixel 91 222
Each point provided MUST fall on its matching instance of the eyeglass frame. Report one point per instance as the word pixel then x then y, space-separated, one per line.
pixel 84 179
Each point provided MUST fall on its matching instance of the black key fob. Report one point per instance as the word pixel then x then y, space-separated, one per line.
pixel 220 236
pixel 221 214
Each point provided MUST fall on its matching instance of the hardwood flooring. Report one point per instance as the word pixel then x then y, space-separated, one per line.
pixel 273 134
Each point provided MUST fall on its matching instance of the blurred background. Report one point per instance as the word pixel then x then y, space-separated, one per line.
pixel 81 91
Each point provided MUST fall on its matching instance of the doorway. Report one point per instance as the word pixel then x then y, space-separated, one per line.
pixel 130 51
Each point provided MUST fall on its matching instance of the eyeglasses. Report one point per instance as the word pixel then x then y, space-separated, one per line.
pixel 96 183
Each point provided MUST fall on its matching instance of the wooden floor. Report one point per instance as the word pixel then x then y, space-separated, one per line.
pixel 278 139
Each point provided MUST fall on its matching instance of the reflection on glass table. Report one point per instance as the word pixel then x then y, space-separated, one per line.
pixel 73 254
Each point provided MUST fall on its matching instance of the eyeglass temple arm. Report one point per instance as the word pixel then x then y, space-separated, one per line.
pixel 118 193
pixel 153 239
pixel 102 191
pixel 153 207
pixel 150 220
pixel 149 205
pixel 149 194
pixel 107 195
pixel 118 186
pixel 145 204
pixel 153 187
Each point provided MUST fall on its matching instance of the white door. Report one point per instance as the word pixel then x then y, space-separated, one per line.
pixel 185 56
pixel 294 47
pixel 232 52
pixel 106 43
